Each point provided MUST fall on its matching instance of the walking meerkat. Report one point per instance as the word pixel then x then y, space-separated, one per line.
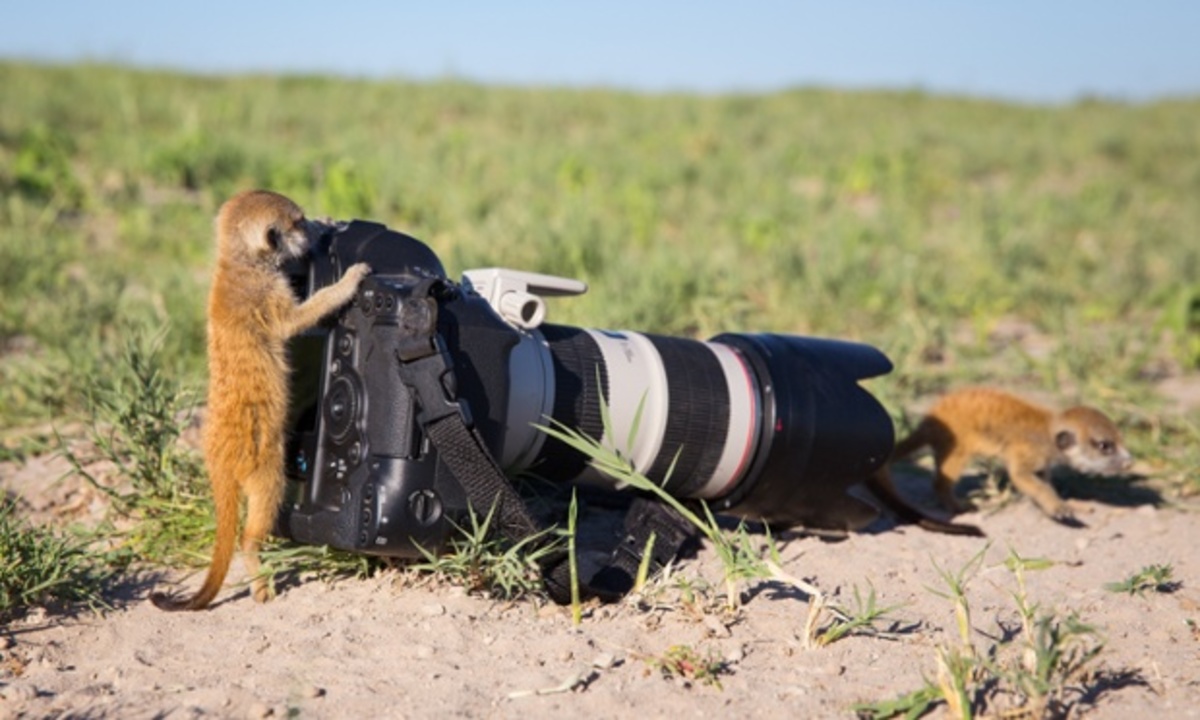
pixel 252 312
pixel 1029 439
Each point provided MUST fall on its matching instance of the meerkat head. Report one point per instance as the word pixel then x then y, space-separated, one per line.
pixel 1090 442
pixel 262 227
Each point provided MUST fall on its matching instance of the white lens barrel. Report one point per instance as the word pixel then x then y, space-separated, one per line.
pixel 637 396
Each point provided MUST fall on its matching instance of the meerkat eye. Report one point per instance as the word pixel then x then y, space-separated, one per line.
pixel 274 238
pixel 1106 447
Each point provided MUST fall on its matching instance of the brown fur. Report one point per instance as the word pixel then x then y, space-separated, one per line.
pixel 1029 439
pixel 252 312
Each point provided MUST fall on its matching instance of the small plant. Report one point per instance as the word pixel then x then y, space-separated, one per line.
pixel 956 583
pixel 481 562
pixel 859 621
pixel 1033 675
pixel 284 557
pixel 37 566
pixel 684 661
pixel 572 560
pixel 139 413
pixel 1057 652
pixel 910 706
pixel 1152 578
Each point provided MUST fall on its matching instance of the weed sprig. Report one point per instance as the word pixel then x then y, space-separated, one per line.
pixel 38 565
pixel 161 511
pixel 1156 578
pixel 1040 673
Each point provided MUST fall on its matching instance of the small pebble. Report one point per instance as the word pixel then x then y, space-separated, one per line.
pixel 715 626
pixel 19 692
pixel 312 691
pixel 258 711
pixel 423 652
pixel 433 609
pixel 604 661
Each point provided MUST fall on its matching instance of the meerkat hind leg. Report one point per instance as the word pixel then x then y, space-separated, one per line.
pixel 949 466
pixel 261 508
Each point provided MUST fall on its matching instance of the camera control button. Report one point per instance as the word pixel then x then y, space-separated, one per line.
pixel 342 407
pixel 425 507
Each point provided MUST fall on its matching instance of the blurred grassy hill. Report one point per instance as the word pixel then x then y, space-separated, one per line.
pixel 1048 248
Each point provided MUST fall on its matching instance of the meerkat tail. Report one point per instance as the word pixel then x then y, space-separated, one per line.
pixel 949 528
pixel 880 484
pixel 915 440
pixel 223 549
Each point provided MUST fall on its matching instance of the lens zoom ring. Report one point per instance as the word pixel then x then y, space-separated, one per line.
pixel 578 367
pixel 697 415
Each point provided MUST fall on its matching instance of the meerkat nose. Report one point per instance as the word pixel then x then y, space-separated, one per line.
pixel 315 229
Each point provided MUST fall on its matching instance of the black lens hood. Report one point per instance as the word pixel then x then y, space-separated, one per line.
pixel 821 431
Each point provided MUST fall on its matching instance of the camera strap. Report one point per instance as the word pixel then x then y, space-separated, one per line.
pixel 653 533
pixel 427 369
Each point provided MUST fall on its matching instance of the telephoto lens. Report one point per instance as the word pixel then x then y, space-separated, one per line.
pixel 768 427
pixel 763 426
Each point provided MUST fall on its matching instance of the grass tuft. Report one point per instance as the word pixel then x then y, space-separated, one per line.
pixel 481 562
pixel 160 508
pixel 39 566
pixel 1156 578
pixel 688 664
pixel 1043 670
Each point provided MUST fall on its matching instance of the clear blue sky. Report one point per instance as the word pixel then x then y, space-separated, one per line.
pixel 1024 50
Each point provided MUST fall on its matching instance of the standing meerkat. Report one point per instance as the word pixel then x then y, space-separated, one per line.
pixel 1030 440
pixel 252 312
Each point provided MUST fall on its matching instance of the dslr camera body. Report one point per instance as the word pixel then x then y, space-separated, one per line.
pixel 767 427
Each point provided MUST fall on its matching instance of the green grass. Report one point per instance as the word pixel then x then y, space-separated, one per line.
pixel 1041 669
pixel 39 566
pixel 1157 578
pixel 481 561
pixel 689 665
pixel 159 507
pixel 909 221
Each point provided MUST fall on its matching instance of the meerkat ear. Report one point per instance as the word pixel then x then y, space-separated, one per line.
pixel 274 238
pixel 1064 439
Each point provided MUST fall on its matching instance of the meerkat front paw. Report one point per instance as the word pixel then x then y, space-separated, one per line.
pixel 357 272
pixel 1063 515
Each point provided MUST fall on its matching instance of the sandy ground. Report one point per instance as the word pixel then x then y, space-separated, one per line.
pixel 391 647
